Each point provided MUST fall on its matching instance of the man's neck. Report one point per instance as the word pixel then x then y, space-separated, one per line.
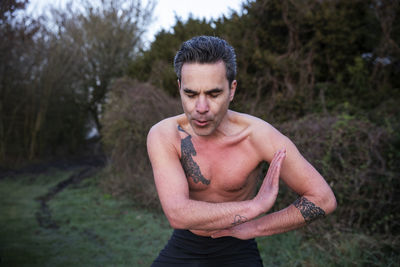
pixel 229 132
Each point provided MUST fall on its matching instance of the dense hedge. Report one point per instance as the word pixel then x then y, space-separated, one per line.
pixel 357 158
pixel 132 109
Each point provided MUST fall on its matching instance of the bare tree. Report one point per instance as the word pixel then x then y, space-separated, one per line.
pixel 106 38
pixel 53 77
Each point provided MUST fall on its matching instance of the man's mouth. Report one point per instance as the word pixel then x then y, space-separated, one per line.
pixel 201 123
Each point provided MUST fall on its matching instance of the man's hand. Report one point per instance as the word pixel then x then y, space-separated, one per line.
pixel 268 192
pixel 242 231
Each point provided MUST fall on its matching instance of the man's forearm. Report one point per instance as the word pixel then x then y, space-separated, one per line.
pixel 200 215
pixel 300 213
pixel 274 223
pixel 278 222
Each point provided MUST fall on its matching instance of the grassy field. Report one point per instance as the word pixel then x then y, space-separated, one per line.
pixel 83 226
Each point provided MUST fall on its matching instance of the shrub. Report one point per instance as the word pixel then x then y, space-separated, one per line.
pixel 351 154
pixel 132 109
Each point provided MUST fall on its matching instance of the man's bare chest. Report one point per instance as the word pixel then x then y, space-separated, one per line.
pixel 218 167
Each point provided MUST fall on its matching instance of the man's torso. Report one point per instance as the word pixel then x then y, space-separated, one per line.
pixel 220 169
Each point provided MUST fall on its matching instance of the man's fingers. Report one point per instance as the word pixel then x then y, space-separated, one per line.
pixel 270 186
pixel 275 158
pixel 276 163
pixel 221 234
pixel 272 177
pixel 279 156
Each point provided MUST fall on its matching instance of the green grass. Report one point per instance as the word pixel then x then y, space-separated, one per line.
pixel 338 249
pixel 95 229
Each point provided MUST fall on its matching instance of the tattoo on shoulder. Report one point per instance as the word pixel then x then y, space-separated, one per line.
pixel 239 219
pixel 181 129
pixel 309 210
pixel 190 167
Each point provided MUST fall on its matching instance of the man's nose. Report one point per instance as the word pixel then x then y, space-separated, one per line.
pixel 202 105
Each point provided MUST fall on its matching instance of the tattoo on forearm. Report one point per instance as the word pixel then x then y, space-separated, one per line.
pixel 309 210
pixel 239 219
pixel 192 170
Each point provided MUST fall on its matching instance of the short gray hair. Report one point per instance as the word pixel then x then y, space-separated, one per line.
pixel 206 49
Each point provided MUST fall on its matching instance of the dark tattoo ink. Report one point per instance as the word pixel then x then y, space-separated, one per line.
pixel 239 220
pixel 181 129
pixel 309 210
pixel 190 167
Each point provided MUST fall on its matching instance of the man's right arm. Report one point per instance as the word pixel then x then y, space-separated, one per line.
pixel 173 189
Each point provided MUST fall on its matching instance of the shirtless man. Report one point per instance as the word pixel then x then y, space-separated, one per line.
pixel 206 164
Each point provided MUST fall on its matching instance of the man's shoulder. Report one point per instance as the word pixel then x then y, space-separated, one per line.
pixel 166 129
pixel 254 124
pixel 262 134
pixel 166 124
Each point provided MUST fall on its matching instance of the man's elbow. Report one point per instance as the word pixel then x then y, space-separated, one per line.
pixel 330 203
pixel 324 199
pixel 176 223
pixel 176 219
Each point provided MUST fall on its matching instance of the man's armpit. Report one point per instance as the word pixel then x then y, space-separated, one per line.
pixel 308 210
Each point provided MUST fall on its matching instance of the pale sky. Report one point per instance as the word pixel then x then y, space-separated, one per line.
pixel 165 10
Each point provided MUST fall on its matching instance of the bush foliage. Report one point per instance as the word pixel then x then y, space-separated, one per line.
pixel 352 153
pixel 133 108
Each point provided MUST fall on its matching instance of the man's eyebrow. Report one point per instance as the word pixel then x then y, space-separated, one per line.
pixel 215 90
pixel 189 91
pixel 211 91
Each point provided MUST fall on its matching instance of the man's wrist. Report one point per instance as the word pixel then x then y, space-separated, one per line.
pixel 256 207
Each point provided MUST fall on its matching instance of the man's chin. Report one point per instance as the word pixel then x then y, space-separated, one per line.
pixel 202 131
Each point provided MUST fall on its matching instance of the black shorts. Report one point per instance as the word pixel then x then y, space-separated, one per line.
pixel 187 249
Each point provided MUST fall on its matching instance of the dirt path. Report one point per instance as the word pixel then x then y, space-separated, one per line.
pixel 43 215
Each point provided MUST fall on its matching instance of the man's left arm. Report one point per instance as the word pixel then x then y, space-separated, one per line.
pixel 316 197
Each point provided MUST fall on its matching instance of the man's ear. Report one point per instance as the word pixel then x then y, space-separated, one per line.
pixel 232 90
pixel 179 84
